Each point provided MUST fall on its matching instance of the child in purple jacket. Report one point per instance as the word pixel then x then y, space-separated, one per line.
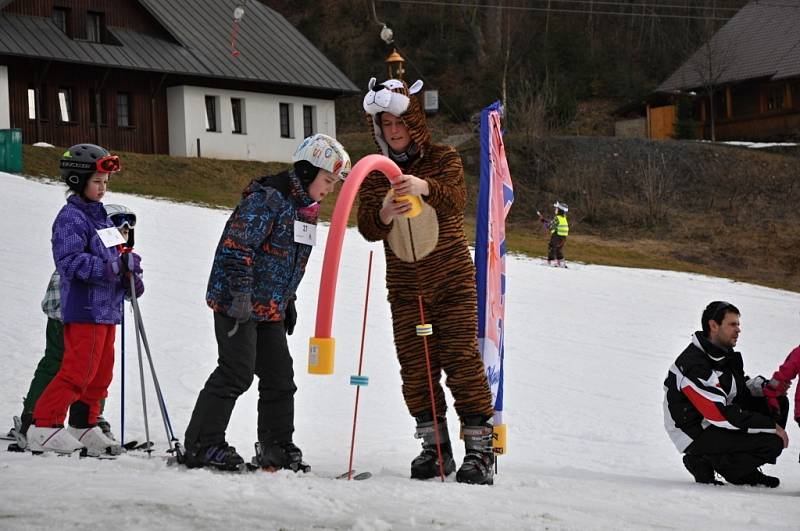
pixel 94 280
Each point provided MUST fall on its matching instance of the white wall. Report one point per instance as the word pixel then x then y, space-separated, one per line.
pixel 5 103
pixel 262 137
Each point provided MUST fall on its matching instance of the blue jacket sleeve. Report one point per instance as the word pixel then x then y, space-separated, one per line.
pixel 249 226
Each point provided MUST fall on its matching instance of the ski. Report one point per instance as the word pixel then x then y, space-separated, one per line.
pixel 357 476
pixel 135 445
pixel 248 468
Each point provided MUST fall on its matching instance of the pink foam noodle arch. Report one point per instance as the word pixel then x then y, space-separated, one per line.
pixel 321 346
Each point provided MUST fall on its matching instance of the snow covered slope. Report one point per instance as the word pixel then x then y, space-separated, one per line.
pixel 587 350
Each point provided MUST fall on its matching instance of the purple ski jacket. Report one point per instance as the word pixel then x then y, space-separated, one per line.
pixel 87 296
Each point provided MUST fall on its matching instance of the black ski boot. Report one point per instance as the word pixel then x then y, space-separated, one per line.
pixel 426 464
pixel 701 468
pixel 220 456
pixel 478 466
pixel 277 455
pixel 756 478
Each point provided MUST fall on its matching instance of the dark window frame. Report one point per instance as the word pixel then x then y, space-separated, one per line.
pixel 237 116
pixel 309 123
pixel 60 17
pixel 124 102
pixel 776 98
pixel 93 107
pixel 285 119
pixel 212 113
pixel 95 26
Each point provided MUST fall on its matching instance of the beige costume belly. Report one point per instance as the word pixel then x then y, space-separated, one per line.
pixel 425 232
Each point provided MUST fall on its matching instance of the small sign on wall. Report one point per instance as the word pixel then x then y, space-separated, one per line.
pixel 431 101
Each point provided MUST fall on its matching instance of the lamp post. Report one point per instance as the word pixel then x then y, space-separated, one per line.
pixel 394 65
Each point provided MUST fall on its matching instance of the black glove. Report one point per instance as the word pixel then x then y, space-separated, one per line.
pixel 241 308
pixel 291 317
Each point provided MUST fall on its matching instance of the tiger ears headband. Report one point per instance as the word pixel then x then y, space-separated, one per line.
pixel 385 99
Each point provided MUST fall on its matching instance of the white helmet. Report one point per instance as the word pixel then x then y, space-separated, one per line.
pixel 325 153
pixel 561 206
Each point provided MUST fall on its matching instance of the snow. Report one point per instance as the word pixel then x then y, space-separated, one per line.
pixel 587 349
pixel 759 145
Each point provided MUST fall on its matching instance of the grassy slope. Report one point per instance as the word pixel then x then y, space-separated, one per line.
pixel 219 182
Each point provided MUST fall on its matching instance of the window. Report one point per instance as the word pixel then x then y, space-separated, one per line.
pixel 59 16
pixel 775 98
pixel 65 104
pixel 94 27
pixel 212 105
pixel 308 120
pixel 286 120
pixel 31 104
pixel 43 103
pixel 94 100
pixel 124 110
pixel 237 115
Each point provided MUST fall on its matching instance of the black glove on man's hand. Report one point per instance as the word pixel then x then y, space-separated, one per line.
pixel 291 317
pixel 241 308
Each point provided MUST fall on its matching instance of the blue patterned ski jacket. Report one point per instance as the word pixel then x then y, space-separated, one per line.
pixel 257 253
pixel 81 257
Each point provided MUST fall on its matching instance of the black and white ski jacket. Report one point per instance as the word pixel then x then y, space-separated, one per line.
pixel 706 386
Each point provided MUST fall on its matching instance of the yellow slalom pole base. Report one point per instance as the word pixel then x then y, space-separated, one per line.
pixel 499 439
pixel 321 355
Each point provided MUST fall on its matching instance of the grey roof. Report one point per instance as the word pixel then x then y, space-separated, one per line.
pixel 271 49
pixel 761 40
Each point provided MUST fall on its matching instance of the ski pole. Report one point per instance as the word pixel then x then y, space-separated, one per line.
pixel 122 382
pixel 141 364
pixel 162 404
pixel 140 332
pixel 360 380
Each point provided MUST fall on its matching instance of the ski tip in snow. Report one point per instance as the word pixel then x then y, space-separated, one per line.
pixel 357 476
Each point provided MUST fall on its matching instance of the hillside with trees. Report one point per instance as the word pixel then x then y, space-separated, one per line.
pixel 541 57
pixel 562 68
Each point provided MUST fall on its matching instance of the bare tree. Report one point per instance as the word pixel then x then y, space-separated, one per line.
pixel 656 185
pixel 710 64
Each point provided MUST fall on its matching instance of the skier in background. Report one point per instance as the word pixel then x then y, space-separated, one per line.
pixel 559 230
pixel 259 263
pixel 124 220
pixel 93 281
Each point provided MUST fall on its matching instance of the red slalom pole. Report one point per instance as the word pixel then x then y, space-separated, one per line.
pixel 360 365
pixel 430 387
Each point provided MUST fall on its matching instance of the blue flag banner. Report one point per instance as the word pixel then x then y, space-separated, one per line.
pixel 495 196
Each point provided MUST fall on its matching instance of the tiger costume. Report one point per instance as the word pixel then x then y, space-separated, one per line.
pixel 428 255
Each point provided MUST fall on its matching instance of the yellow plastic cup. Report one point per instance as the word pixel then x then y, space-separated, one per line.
pixel 416 204
pixel 321 355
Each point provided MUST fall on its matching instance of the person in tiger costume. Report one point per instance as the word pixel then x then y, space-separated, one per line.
pixel 427 255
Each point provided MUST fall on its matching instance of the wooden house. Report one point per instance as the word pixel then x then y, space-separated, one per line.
pixel 164 76
pixel 751 66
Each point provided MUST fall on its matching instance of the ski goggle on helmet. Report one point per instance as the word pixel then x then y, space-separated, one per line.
pixel 325 153
pixel 88 158
pixel 121 216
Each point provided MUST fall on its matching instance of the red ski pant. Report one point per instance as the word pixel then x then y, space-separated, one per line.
pixel 85 373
